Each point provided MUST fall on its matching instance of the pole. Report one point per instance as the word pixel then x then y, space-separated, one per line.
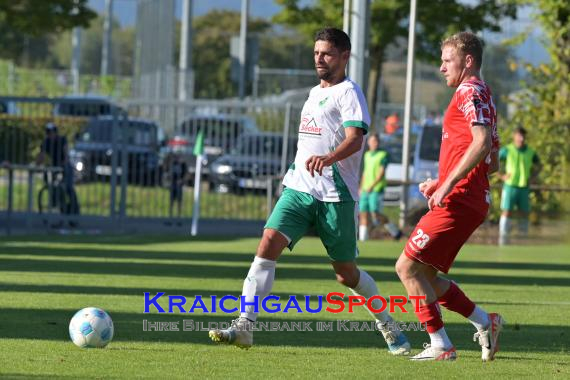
pixel 107 32
pixel 243 46
pixel 196 209
pixel 185 60
pixel 75 58
pixel 359 26
pixel 346 17
pixel 408 113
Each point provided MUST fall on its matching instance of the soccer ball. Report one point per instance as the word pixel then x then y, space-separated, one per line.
pixel 91 328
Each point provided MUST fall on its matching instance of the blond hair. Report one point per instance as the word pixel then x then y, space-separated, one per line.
pixel 466 43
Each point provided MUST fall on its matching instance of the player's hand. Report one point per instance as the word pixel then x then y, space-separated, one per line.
pixel 505 177
pixel 428 187
pixel 317 163
pixel 439 195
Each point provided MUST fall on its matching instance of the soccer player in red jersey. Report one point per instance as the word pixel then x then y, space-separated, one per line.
pixel 458 202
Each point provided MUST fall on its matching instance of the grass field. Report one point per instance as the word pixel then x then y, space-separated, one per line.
pixel 43 281
pixel 95 198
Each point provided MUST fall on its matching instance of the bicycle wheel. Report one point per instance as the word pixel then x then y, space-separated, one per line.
pixel 43 200
pixel 52 199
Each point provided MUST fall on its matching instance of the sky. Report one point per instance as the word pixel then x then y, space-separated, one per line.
pixel 125 12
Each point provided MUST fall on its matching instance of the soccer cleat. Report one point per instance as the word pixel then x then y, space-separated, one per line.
pixel 395 339
pixel 489 338
pixel 239 334
pixel 435 353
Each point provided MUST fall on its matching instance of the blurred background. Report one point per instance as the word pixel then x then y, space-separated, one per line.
pixel 145 91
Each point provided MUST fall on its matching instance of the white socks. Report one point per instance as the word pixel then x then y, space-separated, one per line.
pixel 440 339
pixel 523 226
pixel 367 288
pixel 258 282
pixel 362 233
pixel 504 230
pixel 479 318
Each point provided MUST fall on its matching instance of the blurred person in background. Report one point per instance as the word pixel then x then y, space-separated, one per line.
pixel 372 186
pixel 521 167
pixel 56 148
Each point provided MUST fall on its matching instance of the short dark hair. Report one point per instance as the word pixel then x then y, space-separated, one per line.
pixel 337 37
pixel 520 130
pixel 466 43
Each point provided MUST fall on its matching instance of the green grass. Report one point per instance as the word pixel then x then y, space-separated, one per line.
pixel 95 198
pixel 43 281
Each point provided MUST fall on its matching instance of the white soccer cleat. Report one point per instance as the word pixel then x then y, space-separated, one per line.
pixel 489 338
pixel 435 353
pixel 239 334
pixel 395 339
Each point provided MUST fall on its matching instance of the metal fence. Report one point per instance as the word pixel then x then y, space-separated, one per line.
pixel 125 161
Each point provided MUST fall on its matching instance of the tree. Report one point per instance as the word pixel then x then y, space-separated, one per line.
pixel 498 73
pixel 389 22
pixel 91 44
pixel 26 22
pixel 542 104
pixel 212 62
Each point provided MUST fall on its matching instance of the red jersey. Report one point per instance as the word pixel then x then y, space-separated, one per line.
pixel 471 104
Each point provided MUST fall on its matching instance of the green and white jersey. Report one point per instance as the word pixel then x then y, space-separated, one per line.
pixel 326 113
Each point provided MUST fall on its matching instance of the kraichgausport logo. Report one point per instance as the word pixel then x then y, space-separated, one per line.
pixel 333 302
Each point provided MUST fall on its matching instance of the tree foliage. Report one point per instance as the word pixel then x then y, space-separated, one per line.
pixel 24 22
pixel 122 53
pixel 389 23
pixel 211 59
pixel 542 106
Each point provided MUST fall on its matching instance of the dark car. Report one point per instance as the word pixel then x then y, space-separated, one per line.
pixel 86 106
pixel 221 132
pixel 256 159
pixel 8 107
pixel 135 139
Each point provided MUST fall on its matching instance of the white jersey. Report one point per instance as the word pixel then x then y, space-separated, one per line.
pixel 326 113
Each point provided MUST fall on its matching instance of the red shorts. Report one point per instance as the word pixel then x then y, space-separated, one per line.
pixel 441 233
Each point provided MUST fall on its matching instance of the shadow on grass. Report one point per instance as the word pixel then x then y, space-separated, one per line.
pixel 109 239
pixel 238 272
pixel 246 258
pixel 53 325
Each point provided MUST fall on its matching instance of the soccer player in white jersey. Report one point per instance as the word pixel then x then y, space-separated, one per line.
pixel 321 192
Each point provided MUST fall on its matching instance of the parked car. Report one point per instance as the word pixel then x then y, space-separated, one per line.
pixel 93 150
pixel 221 132
pixel 424 163
pixel 8 107
pixel 86 106
pixel 256 159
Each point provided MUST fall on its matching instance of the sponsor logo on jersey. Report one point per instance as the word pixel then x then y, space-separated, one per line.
pixel 309 126
pixel 322 102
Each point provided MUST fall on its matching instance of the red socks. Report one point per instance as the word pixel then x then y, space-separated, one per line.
pixel 430 315
pixel 455 300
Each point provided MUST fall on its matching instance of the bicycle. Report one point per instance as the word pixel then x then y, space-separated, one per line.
pixel 53 197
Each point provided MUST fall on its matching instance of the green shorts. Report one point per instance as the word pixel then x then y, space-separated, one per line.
pixel 371 201
pixel 334 222
pixel 515 198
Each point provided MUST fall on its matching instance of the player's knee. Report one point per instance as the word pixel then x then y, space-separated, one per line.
pixel 404 268
pixel 271 245
pixel 347 279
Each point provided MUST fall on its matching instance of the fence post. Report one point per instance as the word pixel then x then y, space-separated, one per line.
pixel 10 200
pixel 30 190
pixel 114 131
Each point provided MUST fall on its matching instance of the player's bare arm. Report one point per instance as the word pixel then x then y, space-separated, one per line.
pixel 477 151
pixel 351 144
pixel 495 163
